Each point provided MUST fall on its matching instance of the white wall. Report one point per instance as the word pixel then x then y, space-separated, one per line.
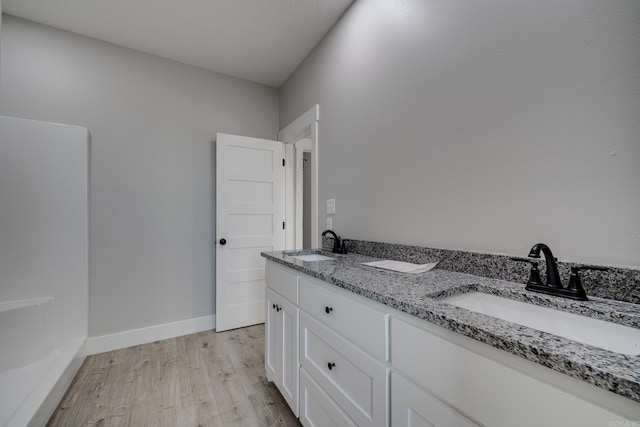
pixel 152 123
pixel 44 220
pixel 484 126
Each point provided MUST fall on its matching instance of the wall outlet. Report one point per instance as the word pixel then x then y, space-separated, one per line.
pixel 329 223
pixel 331 206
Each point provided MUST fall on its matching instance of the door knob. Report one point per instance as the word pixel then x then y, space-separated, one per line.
pixel 223 241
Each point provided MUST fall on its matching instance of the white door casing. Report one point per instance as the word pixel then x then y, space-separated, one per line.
pixel 302 146
pixel 249 220
pixel 304 126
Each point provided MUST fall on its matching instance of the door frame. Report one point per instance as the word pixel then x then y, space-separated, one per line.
pixel 300 148
pixel 307 123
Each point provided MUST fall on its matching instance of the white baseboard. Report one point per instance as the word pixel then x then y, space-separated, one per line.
pixel 133 337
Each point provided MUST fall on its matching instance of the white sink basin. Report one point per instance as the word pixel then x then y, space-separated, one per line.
pixel 313 257
pixel 599 333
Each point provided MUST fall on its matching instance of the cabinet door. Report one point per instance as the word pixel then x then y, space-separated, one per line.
pixel 281 346
pixel 272 359
pixel 413 407
pixel 289 350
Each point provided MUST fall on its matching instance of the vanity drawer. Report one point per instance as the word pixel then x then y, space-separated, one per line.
pixel 282 280
pixel 317 408
pixel 475 379
pixel 413 407
pixel 355 381
pixel 354 318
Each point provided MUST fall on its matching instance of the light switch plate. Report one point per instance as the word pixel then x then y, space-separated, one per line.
pixel 329 223
pixel 331 206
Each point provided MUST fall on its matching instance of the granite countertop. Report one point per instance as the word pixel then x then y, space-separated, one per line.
pixel 420 294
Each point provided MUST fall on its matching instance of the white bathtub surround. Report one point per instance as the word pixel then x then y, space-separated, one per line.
pixel 26 332
pixel 43 264
pixel 31 393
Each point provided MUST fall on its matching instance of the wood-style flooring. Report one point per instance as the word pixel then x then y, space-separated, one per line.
pixel 204 379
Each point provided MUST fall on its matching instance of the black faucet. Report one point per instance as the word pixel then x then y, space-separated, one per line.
pixel 554 285
pixel 553 277
pixel 338 247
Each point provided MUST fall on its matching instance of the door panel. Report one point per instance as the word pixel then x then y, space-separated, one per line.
pixel 250 225
pixel 249 217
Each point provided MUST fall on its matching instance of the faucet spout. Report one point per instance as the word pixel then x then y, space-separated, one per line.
pixel 337 247
pixel 553 277
pixel 554 286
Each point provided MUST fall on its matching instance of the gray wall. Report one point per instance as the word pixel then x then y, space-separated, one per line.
pixel 152 123
pixel 484 126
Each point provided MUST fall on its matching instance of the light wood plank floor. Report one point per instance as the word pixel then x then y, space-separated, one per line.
pixel 204 379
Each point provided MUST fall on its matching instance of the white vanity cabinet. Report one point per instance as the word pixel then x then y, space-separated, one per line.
pixel 345 360
pixel 336 374
pixel 281 333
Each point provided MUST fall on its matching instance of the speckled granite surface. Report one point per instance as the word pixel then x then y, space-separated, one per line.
pixel 622 284
pixel 419 295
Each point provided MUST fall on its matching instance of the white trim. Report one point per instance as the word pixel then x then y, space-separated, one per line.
pixel 299 125
pixel 306 123
pixel 300 147
pixel 315 232
pixel 289 191
pixel 299 195
pixel 149 334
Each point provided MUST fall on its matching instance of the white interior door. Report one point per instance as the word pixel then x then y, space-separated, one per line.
pixel 249 220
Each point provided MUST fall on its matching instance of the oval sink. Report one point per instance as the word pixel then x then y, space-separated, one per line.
pixel 313 257
pixel 599 333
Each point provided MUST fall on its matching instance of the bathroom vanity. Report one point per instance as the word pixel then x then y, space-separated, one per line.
pixel 353 345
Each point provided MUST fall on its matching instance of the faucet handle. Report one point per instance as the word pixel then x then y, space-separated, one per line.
pixel 534 275
pixel 575 283
pixel 344 245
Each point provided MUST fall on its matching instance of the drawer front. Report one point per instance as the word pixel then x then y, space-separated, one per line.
pixel 475 384
pixel 317 408
pixel 413 407
pixel 355 320
pixel 355 381
pixel 283 280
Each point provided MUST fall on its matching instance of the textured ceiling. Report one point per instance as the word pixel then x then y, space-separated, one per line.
pixel 258 40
